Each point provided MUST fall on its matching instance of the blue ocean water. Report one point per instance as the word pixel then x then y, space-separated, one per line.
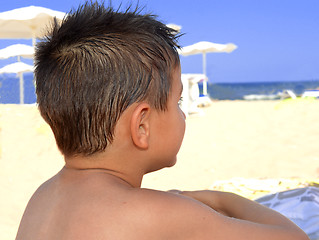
pixel 9 89
pixel 234 91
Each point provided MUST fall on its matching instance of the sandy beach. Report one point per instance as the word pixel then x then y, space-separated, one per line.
pixel 230 140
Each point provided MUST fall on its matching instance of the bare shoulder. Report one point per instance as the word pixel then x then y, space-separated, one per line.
pixel 172 216
pixel 163 215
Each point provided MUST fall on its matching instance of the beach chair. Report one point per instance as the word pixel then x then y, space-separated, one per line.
pixel 300 205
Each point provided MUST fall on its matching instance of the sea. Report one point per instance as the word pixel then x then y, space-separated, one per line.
pixel 9 89
pixel 258 90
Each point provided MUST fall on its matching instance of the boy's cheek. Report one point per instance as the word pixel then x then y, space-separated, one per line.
pixel 183 114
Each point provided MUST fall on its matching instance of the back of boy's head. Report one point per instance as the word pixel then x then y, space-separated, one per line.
pixel 94 65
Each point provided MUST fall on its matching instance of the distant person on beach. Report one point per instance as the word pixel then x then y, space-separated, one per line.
pixel 109 85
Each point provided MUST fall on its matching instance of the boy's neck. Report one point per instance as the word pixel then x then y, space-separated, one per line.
pixel 131 176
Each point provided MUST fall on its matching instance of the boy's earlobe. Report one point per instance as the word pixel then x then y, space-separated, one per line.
pixel 140 129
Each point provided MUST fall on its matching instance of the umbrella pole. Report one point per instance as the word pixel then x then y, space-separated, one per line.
pixel 204 72
pixel 21 88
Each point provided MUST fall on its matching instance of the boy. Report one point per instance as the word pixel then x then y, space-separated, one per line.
pixel 108 84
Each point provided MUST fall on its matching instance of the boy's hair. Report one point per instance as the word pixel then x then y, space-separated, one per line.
pixel 94 65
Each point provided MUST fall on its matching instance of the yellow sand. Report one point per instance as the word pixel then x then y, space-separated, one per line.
pixel 232 142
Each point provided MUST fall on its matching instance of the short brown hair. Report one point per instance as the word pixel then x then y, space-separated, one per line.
pixel 94 65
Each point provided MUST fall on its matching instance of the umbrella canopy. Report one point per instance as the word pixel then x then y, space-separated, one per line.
pixel 203 48
pixel 27 22
pixel 174 26
pixel 207 47
pixel 22 50
pixel 19 68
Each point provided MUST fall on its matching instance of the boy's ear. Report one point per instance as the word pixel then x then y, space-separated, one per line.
pixel 140 125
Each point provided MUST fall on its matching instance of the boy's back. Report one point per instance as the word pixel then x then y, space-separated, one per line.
pixel 88 204
pixel 94 204
pixel 84 205
pixel 91 204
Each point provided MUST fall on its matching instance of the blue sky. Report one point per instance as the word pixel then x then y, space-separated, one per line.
pixel 278 40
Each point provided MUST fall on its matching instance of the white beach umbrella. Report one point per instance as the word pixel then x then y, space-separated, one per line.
pixel 176 27
pixel 203 48
pixel 27 22
pixel 19 50
pixel 19 68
